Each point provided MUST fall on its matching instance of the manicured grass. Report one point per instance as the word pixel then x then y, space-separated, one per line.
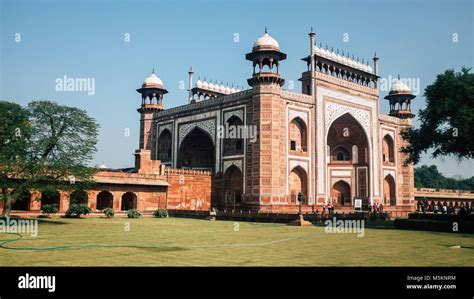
pixel 192 242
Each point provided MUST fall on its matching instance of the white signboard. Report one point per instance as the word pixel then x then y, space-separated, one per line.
pixel 358 203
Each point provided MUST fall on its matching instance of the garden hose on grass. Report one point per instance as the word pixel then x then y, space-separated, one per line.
pixel 3 243
pixel 19 236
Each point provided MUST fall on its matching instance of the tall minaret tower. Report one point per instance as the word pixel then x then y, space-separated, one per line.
pixel 266 53
pixel 400 97
pixel 152 92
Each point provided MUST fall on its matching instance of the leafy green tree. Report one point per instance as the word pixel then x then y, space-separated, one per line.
pixel 430 177
pixel 447 122
pixel 44 146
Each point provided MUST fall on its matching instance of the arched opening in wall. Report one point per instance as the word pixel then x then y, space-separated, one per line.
pixel 79 197
pixel 341 154
pixel 105 199
pixel 298 182
pixel 233 187
pixel 196 151
pixel 346 136
pixel 298 135
pixel 388 150
pixel 50 196
pixel 233 143
pixel 23 201
pixel 129 201
pixel 164 146
pixel 341 194
pixel 389 194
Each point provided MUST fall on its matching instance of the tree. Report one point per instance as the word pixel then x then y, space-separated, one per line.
pixel 430 177
pixel 448 119
pixel 44 146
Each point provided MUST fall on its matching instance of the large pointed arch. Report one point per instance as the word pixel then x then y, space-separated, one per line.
pixel 389 190
pixel 344 135
pixel 196 150
pixel 165 146
pixel 233 187
pixel 341 193
pixel 298 182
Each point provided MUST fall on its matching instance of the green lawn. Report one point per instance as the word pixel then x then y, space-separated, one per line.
pixel 190 242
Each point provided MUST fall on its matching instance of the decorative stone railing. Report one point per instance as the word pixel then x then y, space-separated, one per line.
pixel 451 193
pixel 169 170
pixel 206 103
pixel 345 83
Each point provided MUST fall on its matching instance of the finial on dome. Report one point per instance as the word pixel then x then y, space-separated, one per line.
pixel 266 31
pixel 398 76
pixel 153 71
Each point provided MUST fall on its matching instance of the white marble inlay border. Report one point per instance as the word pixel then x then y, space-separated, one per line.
pixel 208 125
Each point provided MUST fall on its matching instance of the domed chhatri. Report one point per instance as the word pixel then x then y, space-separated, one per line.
pixel 152 92
pixel 266 57
pixel 400 97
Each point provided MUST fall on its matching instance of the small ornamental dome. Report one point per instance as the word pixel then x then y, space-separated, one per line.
pixel 265 41
pixel 210 86
pixel 205 85
pixel 153 80
pixel 222 89
pixel 317 51
pixel 399 87
pixel 101 166
pixel 199 83
pixel 233 90
pixel 227 89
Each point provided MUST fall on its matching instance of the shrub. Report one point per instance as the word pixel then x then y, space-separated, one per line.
pixel 435 225
pixel 134 214
pixel 76 210
pixel 160 213
pixel 49 209
pixel 109 212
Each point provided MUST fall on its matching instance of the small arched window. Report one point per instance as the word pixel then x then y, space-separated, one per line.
pixel 341 154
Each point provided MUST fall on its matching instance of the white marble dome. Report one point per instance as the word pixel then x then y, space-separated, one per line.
pixel 198 83
pixel 266 41
pixel 211 86
pixel 399 86
pixel 153 80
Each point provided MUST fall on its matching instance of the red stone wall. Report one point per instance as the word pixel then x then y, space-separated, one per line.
pixel 189 189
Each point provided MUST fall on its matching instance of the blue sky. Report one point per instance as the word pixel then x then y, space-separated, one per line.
pixel 86 39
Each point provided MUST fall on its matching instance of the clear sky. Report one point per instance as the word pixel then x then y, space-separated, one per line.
pixel 86 39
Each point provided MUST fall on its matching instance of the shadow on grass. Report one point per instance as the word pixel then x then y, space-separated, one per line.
pixel 377 224
pixel 40 220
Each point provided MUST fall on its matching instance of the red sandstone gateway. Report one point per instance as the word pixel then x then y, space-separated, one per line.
pixel 328 142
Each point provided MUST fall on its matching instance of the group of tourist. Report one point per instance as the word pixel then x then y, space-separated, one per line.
pixel 328 206
pixel 426 207
pixel 376 207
